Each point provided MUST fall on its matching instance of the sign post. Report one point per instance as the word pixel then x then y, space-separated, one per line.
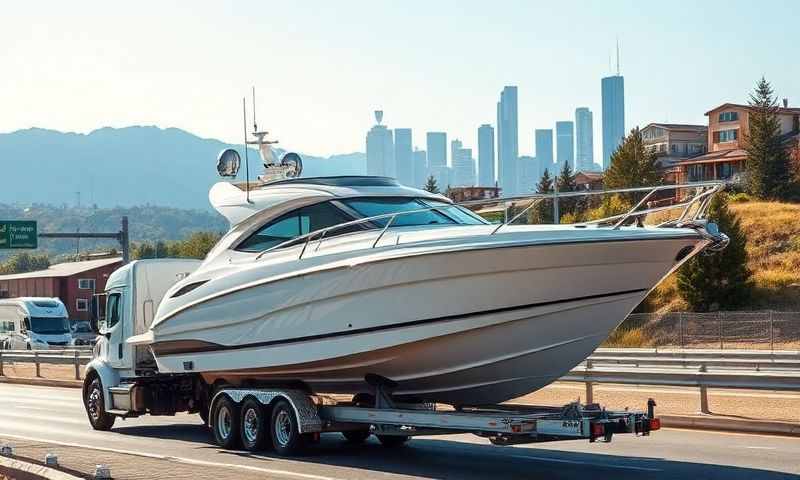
pixel 18 234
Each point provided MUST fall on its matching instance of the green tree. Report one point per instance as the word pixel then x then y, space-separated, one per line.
pixel 768 165
pixel 566 183
pixel 543 212
pixel 632 165
pixel 709 282
pixel 431 185
pixel 24 262
pixel 197 245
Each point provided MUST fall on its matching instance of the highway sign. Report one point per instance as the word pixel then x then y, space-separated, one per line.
pixel 18 234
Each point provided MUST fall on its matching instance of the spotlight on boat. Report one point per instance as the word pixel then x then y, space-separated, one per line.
pixel 228 162
pixel 293 164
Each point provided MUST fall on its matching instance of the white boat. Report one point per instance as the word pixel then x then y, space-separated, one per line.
pixel 328 282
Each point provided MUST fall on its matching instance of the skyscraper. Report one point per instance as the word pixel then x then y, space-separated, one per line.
pixel 613 93
pixel 380 149
pixel 528 174
pixel 455 145
pixel 437 149
pixel 544 150
pixel 420 168
pixel 507 140
pixel 486 155
pixel 403 156
pixel 463 167
pixel 565 150
pixel 584 140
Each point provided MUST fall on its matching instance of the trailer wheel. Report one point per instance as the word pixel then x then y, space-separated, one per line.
pixel 254 426
pixel 94 403
pixel 284 430
pixel 391 441
pixel 225 423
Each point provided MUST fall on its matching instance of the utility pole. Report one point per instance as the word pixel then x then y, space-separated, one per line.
pixel 122 237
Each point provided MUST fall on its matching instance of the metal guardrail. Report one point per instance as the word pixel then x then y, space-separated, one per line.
pixel 742 369
pixel 75 357
pixel 739 369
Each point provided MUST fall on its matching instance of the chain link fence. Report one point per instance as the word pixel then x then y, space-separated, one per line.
pixel 766 330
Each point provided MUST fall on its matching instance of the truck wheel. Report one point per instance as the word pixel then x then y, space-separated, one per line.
pixel 284 430
pixel 391 441
pixel 254 426
pixel 225 423
pixel 96 407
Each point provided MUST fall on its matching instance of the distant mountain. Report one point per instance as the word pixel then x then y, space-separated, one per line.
pixel 127 166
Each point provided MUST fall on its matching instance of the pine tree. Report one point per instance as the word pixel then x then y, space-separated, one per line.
pixel 543 212
pixel 708 282
pixel 566 183
pixel 768 165
pixel 545 184
pixel 632 165
pixel 24 262
pixel 431 185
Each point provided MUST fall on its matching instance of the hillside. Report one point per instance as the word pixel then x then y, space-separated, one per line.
pixel 146 223
pixel 126 166
pixel 773 246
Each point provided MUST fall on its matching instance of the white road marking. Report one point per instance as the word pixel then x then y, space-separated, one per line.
pixel 188 461
pixel 760 448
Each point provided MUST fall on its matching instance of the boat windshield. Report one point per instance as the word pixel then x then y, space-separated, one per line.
pixel 371 207
pixel 50 325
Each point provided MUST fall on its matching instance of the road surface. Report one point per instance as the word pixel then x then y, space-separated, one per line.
pixel 56 415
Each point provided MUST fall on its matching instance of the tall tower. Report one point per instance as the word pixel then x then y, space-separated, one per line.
pixel 380 149
pixel 508 141
pixel 544 151
pixel 613 93
pixel 403 156
pixel 486 177
pixel 584 141
pixel 565 138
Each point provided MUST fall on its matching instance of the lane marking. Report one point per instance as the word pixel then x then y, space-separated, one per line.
pixel 581 462
pixel 189 461
pixel 754 447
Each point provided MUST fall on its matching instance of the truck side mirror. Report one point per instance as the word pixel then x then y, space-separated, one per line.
pixel 26 324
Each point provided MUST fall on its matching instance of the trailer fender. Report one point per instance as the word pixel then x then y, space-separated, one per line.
pixel 308 418
pixel 109 377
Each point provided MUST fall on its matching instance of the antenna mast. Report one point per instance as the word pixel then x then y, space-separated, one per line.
pixel 255 125
pixel 617 56
pixel 246 162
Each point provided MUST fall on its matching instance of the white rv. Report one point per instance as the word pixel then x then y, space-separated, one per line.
pixel 33 323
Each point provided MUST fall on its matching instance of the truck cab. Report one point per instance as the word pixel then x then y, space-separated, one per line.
pixel 33 323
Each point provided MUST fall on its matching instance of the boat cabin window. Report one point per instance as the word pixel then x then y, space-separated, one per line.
pixel 293 224
pixel 462 215
pixel 371 207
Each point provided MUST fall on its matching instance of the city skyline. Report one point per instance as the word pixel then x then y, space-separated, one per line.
pixel 179 75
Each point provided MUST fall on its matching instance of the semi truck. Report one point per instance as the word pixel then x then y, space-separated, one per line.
pixel 123 381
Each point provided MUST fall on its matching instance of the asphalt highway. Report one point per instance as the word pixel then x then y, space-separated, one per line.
pixel 56 415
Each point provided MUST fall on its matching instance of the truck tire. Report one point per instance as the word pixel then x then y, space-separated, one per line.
pixel 225 423
pixel 392 441
pixel 284 430
pixel 254 429
pixel 94 403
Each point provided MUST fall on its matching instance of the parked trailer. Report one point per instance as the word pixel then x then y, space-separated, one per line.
pixel 123 381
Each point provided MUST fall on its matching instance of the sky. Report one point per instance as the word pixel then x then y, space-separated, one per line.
pixel 321 68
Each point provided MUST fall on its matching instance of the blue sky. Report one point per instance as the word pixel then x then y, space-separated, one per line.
pixel 322 67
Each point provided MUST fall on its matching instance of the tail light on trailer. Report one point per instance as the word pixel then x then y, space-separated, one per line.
pixel 596 430
pixel 655 424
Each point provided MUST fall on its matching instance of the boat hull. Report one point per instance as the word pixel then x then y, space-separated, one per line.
pixel 458 326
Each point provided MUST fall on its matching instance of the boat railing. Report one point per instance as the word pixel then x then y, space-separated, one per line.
pixel 699 198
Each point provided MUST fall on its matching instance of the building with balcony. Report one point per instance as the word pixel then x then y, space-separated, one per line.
pixel 728 125
pixel 674 143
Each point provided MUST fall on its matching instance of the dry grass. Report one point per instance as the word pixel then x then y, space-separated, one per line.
pixel 630 338
pixel 772 230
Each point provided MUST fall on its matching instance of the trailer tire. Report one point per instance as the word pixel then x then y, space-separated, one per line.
pixel 94 403
pixel 284 430
pixel 254 430
pixel 393 441
pixel 225 423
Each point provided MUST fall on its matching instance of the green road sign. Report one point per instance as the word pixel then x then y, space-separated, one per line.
pixel 18 234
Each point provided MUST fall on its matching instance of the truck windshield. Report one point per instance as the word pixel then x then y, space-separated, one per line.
pixel 50 326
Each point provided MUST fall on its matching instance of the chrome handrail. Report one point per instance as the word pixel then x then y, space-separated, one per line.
pixel 704 196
